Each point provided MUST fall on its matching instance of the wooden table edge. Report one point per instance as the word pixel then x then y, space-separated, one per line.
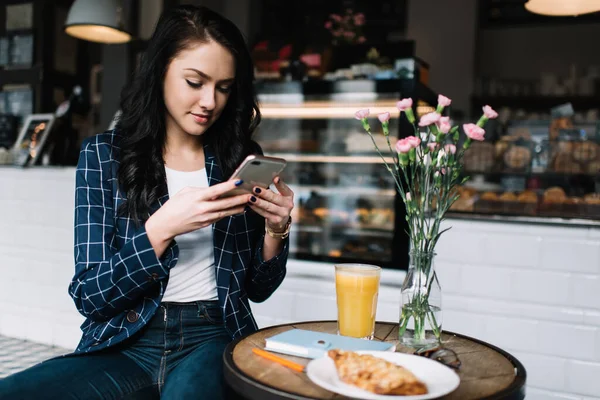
pixel 235 377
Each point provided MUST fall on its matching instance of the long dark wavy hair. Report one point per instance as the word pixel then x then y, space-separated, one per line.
pixel 141 126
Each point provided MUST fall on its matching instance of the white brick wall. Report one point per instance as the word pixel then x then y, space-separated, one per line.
pixel 36 255
pixel 533 290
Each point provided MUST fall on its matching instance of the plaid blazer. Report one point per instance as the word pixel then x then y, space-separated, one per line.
pixel 119 281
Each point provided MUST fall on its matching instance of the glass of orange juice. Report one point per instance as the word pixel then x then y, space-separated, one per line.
pixel 357 289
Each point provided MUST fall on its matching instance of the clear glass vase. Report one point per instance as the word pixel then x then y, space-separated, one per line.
pixel 421 306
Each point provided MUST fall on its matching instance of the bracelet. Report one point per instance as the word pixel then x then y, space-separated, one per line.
pixel 280 235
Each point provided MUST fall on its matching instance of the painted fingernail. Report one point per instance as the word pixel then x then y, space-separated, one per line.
pixel 257 190
pixel 238 182
pixel 253 199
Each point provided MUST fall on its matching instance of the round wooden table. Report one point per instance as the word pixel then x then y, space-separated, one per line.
pixel 487 372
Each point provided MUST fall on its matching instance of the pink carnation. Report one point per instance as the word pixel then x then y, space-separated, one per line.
pixel 403 146
pixel 384 117
pixel 489 112
pixel 404 104
pixel 444 124
pixel 474 132
pixel 429 119
pixel 362 114
pixel 432 146
pixel 443 101
pixel 359 19
pixel 414 141
pixel 450 149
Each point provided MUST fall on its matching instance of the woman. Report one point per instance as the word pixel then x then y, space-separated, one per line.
pixel 164 268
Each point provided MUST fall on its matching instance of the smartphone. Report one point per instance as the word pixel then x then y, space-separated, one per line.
pixel 256 170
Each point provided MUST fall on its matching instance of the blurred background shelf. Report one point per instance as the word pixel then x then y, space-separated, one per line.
pixel 357 230
pixel 31 76
pixel 324 158
pixel 346 201
pixel 344 190
pixel 536 103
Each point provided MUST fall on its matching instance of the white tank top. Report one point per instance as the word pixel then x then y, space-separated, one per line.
pixel 193 277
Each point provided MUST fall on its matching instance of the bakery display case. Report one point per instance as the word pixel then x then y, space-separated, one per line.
pixel 346 206
pixel 538 168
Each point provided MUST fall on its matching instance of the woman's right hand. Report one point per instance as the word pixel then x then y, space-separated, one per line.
pixel 191 209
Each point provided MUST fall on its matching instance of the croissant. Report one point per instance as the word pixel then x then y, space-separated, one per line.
pixel 375 374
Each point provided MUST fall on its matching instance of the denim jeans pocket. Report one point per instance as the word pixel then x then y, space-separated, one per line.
pixel 212 314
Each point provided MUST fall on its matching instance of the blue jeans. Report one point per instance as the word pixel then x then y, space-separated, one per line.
pixel 177 355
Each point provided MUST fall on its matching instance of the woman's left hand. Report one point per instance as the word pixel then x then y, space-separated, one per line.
pixel 275 207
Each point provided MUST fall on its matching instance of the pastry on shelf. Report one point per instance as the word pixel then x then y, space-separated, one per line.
pixel 489 196
pixel 517 158
pixel 574 200
pixel 304 215
pixel 507 196
pixel 321 212
pixel 527 196
pixel 557 125
pixel 554 202
pixel 466 199
pixel 339 216
pixel 510 203
pixel 381 217
pixel 502 145
pixel 488 202
pixel 585 151
pixel 480 157
pixel 466 191
pixel 564 146
pixel 593 167
pixel 335 253
pixel 362 215
pixel 592 198
pixel 525 203
pixel 554 194
pixel 463 204
pixel 354 247
pixel 563 163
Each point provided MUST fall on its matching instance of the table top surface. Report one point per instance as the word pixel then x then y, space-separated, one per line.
pixel 487 372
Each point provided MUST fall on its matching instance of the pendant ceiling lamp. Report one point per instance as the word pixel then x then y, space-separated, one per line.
pixel 101 21
pixel 557 8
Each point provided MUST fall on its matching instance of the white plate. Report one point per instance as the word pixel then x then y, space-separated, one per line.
pixel 440 380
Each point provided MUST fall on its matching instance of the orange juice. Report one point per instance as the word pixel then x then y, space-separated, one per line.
pixel 357 287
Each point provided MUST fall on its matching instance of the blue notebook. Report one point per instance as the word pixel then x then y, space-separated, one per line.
pixel 311 344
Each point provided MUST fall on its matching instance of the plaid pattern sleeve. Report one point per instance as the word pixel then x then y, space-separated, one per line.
pixel 107 281
pixel 264 277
